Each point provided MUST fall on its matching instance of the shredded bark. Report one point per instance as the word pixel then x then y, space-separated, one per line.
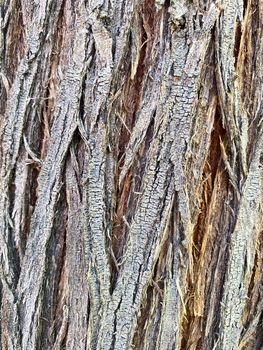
pixel 131 149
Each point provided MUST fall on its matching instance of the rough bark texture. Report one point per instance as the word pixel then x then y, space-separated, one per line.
pixel 131 174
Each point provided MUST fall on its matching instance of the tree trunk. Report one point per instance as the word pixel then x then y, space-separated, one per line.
pixel 131 174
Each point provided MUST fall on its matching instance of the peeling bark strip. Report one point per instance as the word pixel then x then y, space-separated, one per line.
pixel 131 174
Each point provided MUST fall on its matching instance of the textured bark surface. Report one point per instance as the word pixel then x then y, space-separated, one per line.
pixel 131 174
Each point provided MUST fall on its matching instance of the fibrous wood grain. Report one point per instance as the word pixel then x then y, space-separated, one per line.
pixel 131 149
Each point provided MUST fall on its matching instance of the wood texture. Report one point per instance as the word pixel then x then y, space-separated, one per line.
pixel 131 149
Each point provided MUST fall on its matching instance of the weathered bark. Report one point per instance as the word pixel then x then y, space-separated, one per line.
pixel 131 174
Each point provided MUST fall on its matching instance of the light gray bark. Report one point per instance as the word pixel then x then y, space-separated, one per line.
pixel 131 174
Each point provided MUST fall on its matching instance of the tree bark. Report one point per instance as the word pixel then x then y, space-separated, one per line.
pixel 131 174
